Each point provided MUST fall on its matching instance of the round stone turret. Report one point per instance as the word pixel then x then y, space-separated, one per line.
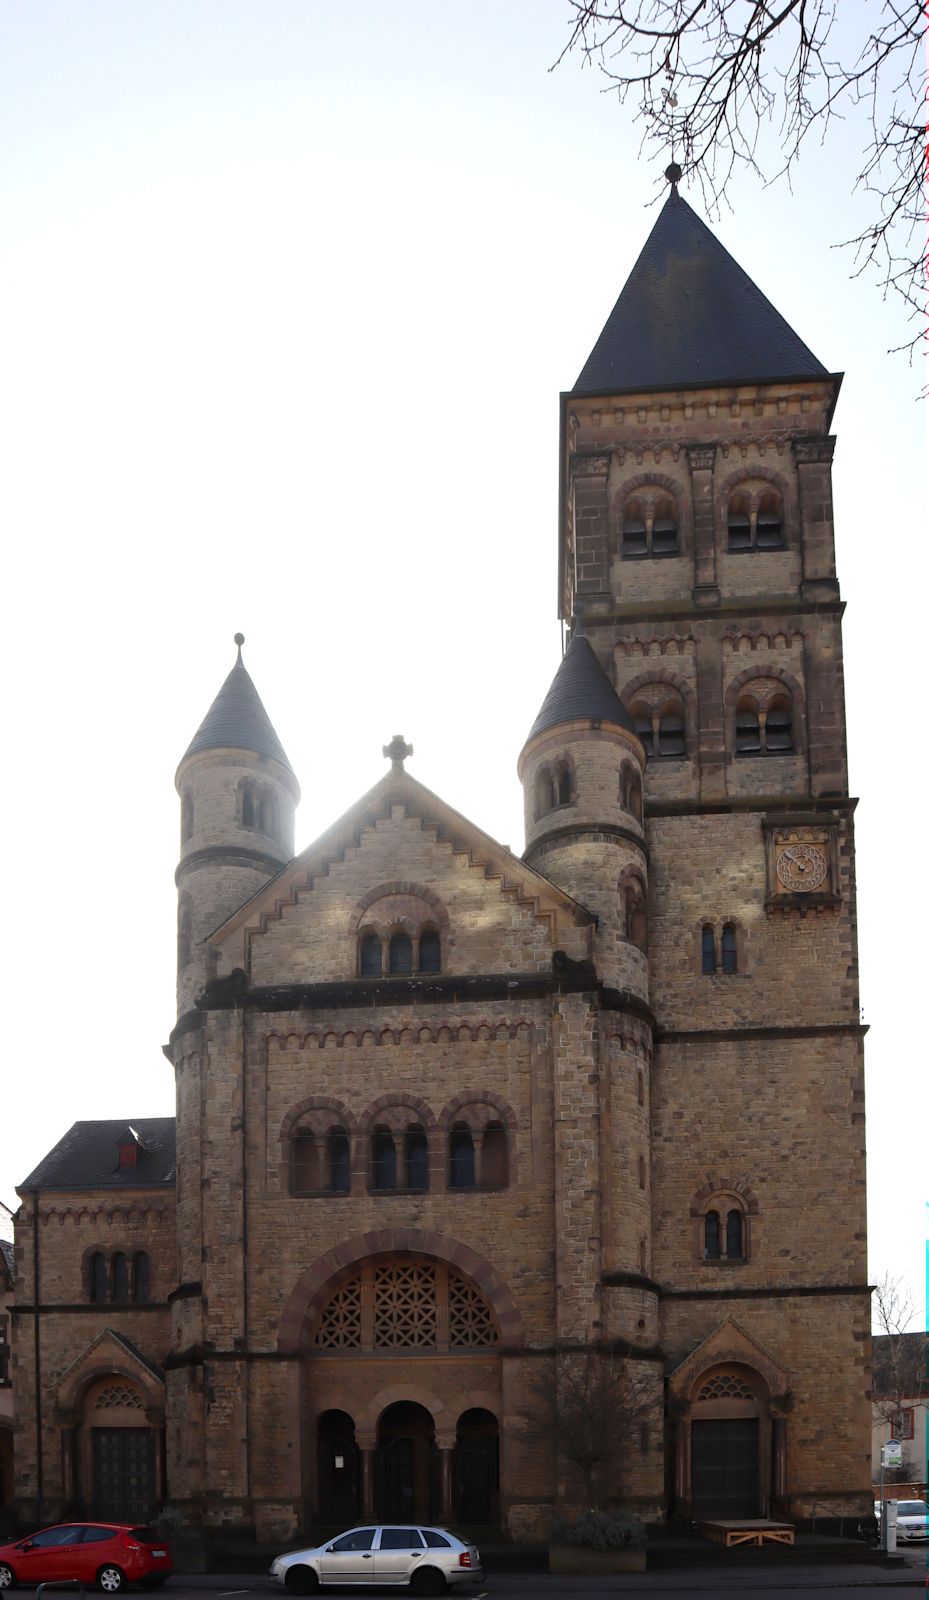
pixel 238 795
pixel 581 769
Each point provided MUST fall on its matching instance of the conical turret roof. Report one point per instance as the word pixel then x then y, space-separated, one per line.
pixel 580 690
pixel 687 315
pixel 237 720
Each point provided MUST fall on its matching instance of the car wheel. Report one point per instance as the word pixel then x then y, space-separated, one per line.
pixel 7 1576
pixel 111 1579
pixel 302 1580
pixel 427 1580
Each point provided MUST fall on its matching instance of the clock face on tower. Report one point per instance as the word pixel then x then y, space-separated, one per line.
pixel 802 867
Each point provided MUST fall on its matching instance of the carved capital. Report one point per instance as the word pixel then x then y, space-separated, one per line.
pixel 701 457
pixel 590 466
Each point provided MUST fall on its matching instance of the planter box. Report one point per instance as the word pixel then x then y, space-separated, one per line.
pixel 582 1560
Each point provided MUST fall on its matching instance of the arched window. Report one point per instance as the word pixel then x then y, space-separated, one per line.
pixel 778 732
pixel 416 1156
pixel 642 720
pixel 546 797
pixel 672 740
pixel 660 722
pixel 708 948
pixel 141 1279
pixel 764 723
pixel 635 531
pixel 338 1162
pixel 120 1266
pixel 99 1278
pixel 734 1236
pixel 261 820
pixel 370 956
pixel 187 816
pixel 755 519
pixel 747 727
pixel 304 1162
pixel 401 953
pixel 729 948
pixel 563 784
pixel 712 1243
pixel 636 915
pixel 664 529
pixel 430 951
pixel 649 525
pixel 248 806
pixel 494 1163
pixel 630 790
pixel 461 1159
pixel 383 1160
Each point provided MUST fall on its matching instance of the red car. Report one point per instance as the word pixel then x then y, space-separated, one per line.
pixel 109 1554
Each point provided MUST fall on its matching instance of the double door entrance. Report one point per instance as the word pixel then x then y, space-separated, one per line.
pixel 123 1474
pixel 724 1469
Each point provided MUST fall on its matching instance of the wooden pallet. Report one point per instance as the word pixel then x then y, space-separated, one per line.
pixel 758 1531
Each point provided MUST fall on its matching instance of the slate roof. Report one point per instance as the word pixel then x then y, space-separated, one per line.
pixel 237 720
pixel 87 1157
pixel 688 314
pixel 6 1252
pixel 580 689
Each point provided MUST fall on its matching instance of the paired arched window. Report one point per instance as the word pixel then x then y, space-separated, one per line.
pixel 660 723
pixel 401 1160
pixel 719 953
pixel 630 790
pixel 119 1279
pixel 320 1164
pixel 764 723
pixel 650 525
pixel 399 953
pixel 554 787
pixel 755 518
pixel 724 1234
pixel 477 1154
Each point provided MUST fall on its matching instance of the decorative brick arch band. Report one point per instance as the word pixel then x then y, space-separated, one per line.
pixel 755 472
pixel 479 1097
pixel 422 1113
pixel 416 890
pixel 332 1111
pixel 311 1288
pixel 661 676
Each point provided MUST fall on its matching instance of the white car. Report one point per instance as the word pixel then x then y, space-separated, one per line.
pixel 422 1559
pixel 912 1520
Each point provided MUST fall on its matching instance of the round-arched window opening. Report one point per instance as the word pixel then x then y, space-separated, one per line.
pixel 383 1160
pixel 430 951
pixel 401 953
pixel 370 956
pixel 461 1173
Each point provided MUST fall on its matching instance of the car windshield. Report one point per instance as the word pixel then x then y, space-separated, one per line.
pixel 912 1508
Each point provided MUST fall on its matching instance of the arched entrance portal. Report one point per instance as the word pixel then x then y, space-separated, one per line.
pixel 407 1464
pixel 337 1467
pixel 476 1469
pixel 730 1444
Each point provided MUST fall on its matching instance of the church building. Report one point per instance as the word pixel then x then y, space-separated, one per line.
pixel 459 1131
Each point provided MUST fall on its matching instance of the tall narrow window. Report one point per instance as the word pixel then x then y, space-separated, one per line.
pixel 712 1241
pixel 734 1236
pixel 779 725
pixel 338 1161
pixel 563 785
pixel 739 523
pixel 635 532
pixel 461 1159
pixel 769 529
pixel 494 1174
pixel 417 1159
pixel 304 1163
pixel 729 948
pixel 401 953
pixel 187 816
pixel 671 737
pixel 664 530
pixel 370 956
pixel 99 1283
pixel 430 952
pixel 642 1173
pixel 383 1160
pixel 642 721
pixel 747 728
pixel 141 1279
pixel 120 1278
pixel 708 948
pixel 248 807
pixel 546 794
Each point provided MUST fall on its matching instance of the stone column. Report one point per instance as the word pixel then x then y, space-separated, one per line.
pixel 446 1451
pixel 779 1463
pixel 366 1451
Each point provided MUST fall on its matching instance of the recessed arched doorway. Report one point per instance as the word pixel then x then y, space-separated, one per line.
pixel 730 1445
pixel 406 1464
pixel 337 1467
pixel 476 1469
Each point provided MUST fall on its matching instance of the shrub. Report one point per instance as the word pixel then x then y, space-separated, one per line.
pixel 599 1530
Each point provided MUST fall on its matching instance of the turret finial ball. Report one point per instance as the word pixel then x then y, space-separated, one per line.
pixel 240 639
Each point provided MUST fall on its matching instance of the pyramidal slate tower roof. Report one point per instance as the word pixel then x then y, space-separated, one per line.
pixel 689 315
pixel 580 690
pixel 237 720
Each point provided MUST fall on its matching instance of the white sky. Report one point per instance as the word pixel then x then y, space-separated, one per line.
pixel 289 292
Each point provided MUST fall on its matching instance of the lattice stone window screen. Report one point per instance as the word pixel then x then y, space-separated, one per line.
pixel 725 1387
pixel 406 1305
pixel 118 1394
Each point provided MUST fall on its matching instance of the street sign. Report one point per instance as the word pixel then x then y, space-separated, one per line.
pixel 892 1454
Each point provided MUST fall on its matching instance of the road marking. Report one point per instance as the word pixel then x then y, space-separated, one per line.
pixel 223 1592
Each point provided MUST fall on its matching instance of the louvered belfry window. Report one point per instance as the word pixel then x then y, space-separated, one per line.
pixel 406 1305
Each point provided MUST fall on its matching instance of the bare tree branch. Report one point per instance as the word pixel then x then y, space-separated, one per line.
pixel 592 1407
pixel 708 77
pixel 900 1377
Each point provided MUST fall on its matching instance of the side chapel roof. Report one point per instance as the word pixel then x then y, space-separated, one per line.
pixel 88 1156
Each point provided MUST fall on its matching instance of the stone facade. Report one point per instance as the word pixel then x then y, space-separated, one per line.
pixel 452 1124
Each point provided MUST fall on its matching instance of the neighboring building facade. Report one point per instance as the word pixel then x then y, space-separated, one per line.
pixel 899 1405
pixel 6 1380
pixel 451 1123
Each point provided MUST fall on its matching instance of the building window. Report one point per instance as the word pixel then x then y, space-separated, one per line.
pixel 338 1162
pixel 461 1167
pixel 187 816
pixel 370 956
pixel 662 725
pixel 725 1231
pixel 304 1162
pixel 711 1236
pixel 554 787
pixel 141 1279
pixel 649 526
pixel 400 954
pixel 630 790
pixel 416 1158
pixel 406 1305
pixel 764 727
pixel 99 1278
pixel 755 520
pixel 734 1236
pixel 642 1173
pixel 729 946
pixel 635 914
pixel 719 952
pixel 708 948
pixel 383 1161
pixel 430 951
pixel 903 1424
pixel 120 1271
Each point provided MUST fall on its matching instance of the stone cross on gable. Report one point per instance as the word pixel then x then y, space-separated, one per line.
pixel 398 751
